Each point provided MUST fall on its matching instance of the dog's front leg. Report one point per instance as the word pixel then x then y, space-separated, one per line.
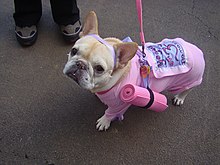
pixel 114 112
pixel 103 123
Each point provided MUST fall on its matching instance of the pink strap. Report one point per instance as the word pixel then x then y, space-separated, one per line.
pixel 139 11
pixel 106 44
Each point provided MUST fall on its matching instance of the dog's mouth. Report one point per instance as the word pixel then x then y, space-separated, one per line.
pixel 72 75
pixel 79 73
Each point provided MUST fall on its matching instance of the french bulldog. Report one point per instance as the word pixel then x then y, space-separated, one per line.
pixel 104 66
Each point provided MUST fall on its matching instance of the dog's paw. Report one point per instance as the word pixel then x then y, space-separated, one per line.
pixel 103 123
pixel 177 100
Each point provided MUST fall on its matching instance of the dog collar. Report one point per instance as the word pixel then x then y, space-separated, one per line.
pixel 106 44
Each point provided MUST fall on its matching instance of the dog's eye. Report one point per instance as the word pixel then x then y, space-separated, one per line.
pixel 99 69
pixel 74 51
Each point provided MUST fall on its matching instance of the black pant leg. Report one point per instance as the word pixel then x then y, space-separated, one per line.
pixel 27 12
pixel 64 11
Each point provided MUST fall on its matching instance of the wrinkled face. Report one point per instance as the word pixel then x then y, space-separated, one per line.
pixel 90 63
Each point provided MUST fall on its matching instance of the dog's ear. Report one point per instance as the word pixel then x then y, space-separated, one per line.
pixel 90 25
pixel 125 52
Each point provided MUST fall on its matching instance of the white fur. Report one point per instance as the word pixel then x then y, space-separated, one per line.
pixel 103 123
pixel 180 98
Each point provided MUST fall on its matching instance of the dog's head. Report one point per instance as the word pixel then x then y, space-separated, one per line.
pixel 96 66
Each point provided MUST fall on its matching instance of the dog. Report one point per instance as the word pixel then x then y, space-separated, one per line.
pixel 104 66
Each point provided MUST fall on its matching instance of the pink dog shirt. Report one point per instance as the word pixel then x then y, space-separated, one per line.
pixel 176 66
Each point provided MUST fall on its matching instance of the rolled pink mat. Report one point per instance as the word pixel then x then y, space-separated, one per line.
pixel 142 97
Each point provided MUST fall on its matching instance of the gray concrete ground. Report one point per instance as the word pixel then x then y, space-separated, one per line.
pixel 45 119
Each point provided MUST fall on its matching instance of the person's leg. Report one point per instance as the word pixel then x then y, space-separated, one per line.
pixel 27 12
pixel 67 15
pixel 27 15
pixel 65 12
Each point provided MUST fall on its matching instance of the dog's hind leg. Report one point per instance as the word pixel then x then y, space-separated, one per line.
pixel 179 98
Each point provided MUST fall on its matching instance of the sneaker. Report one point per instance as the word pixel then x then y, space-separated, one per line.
pixel 71 32
pixel 26 36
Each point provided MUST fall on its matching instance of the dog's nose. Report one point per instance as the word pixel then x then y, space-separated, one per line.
pixel 81 65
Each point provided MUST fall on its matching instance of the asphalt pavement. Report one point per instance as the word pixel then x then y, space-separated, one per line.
pixel 46 119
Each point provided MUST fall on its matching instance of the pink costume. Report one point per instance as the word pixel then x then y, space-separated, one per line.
pixel 176 66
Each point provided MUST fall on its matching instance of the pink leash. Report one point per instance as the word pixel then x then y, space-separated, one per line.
pixel 138 95
pixel 139 11
pixel 145 68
